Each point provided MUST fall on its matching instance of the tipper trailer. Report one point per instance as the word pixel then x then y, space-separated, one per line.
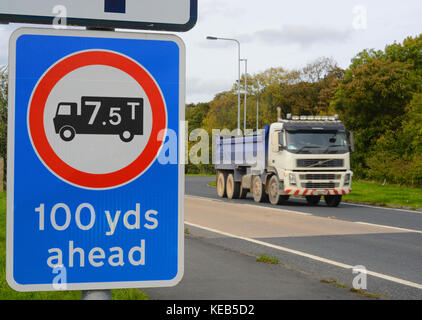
pixel 306 156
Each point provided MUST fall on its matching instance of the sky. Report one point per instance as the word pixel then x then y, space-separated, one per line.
pixel 279 33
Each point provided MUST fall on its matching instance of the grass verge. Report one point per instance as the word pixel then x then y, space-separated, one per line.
pixel 360 292
pixel 7 293
pixel 376 194
pixel 385 195
pixel 212 183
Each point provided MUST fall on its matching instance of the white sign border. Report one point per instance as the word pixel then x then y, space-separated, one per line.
pixel 11 157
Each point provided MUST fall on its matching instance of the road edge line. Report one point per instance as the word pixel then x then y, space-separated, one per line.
pixel 309 256
pixel 389 227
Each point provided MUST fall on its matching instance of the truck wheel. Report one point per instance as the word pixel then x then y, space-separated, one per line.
pixel 273 191
pixel 313 200
pixel 232 187
pixel 221 184
pixel 67 133
pixel 332 201
pixel 126 136
pixel 243 192
pixel 258 190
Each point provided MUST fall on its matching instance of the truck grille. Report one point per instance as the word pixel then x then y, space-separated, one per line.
pixel 319 163
pixel 320 176
pixel 320 185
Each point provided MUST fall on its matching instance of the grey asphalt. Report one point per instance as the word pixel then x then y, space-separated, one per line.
pixel 214 272
pixel 393 254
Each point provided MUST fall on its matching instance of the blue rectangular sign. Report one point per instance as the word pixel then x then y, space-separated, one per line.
pixel 95 179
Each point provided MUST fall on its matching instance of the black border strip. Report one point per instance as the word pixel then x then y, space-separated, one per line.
pixel 96 23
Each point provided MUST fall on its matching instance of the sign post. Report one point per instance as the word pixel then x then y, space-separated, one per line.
pixel 95 197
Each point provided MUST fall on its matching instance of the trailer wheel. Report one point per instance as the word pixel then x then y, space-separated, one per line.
pixel 126 136
pixel 243 192
pixel 313 200
pixel 67 133
pixel 332 201
pixel 221 184
pixel 232 187
pixel 258 190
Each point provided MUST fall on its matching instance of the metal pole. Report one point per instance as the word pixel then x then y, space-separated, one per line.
pixel 246 86
pixel 96 295
pixel 238 77
pixel 257 107
pixel 238 89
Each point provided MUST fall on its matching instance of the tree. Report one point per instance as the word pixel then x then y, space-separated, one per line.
pixel 380 100
pixel 195 114
pixel 410 52
pixel 375 95
pixel 412 127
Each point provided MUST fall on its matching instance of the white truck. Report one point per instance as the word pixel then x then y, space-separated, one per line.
pixel 306 156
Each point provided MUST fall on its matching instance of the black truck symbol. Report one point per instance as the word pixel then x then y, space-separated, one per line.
pixel 100 115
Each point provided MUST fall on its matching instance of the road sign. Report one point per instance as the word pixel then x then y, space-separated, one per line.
pixel 93 200
pixel 170 15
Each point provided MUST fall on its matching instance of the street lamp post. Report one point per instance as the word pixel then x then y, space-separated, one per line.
pixel 246 92
pixel 238 77
pixel 257 104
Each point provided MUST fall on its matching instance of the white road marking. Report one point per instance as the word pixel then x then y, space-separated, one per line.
pixel 379 207
pixel 310 256
pixel 389 227
pixel 203 198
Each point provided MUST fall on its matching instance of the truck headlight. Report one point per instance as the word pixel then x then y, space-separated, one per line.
pixel 292 178
pixel 346 179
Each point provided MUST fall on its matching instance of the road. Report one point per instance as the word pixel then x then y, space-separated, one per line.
pixel 312 243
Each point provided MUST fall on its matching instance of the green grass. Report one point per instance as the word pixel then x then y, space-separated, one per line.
pixel 199 174
pixel 377 194
pixel 7 293
pixel 359 292
pixel 387 195
pixel 267 259
pixel 212 183
pixel 334 282
pixel 365 294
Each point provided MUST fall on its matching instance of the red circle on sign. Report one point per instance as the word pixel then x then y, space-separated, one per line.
pixel 39 137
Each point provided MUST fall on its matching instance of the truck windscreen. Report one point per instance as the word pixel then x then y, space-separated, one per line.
pixel 316 142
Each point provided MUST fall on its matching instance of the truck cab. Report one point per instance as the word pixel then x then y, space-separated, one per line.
pixel 311 157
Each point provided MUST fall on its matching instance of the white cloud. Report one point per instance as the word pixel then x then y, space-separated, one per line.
pixel 198 88
pixel 298 34
pixel 218 8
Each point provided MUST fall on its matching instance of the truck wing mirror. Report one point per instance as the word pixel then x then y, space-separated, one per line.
pixel 351 142
pixel 275 142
